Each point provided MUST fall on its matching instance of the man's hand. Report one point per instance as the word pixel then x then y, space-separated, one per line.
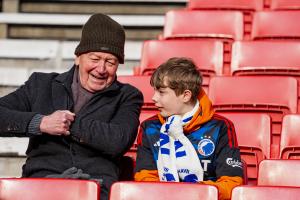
pixel 72 173
pixel 57 123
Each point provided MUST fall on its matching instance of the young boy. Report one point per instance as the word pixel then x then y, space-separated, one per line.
pixel 187 141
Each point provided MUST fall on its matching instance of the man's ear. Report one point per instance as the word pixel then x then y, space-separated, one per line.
pixel 77 60
pixel 187 96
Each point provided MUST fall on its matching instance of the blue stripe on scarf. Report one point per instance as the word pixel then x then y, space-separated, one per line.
pixel 187 119
pixel 178 145
pixel 165 151
pixel 168 125
pixel 164 139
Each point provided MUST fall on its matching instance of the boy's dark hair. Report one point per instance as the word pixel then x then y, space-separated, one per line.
pixel 179 74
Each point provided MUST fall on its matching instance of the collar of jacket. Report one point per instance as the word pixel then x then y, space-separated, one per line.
pixel 62 97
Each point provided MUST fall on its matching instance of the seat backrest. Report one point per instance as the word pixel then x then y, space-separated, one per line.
pixel 256 137
pixel 226 4
pixel 253 133
pixel 285 5
pixel 275 58
pixel 265 192
pixel 290 140
pixel 207 55
pixel 279 173
pixel 275 25
pixel 46 189
pixel 274 95
pixel 162 191
pixel 143 84
pixel 204 24
pixel 245 173
pixel 254 93
pixel 145 114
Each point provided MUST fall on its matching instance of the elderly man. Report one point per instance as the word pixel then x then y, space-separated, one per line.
pixel 82 121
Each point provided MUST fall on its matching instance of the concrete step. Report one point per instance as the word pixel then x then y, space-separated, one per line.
pixel 12 156
pixel 11 166
pixel 68 26
pixel 20 57
pixel 93 6
pixel 49 49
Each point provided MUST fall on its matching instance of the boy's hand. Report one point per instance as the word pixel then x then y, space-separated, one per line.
pixel 175 126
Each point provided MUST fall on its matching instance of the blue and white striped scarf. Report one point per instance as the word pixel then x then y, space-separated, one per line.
pixel 177 159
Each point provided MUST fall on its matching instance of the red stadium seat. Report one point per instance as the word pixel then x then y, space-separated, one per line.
pixel 290 140
pixel 265 193
pixel 266 58
pixel 145 114
pixel 245 173
pixel 253 133
pixel 226 4
pixel 285 4
pixel 162 191
pixel 245 6
pixel 203 24
pixel 48 189
pixel 279 173
pixel 276 25
pixel 226 26
pixel 143 84
pixel 276 58
pixel 148 109
pixel 254 93
pixel 207 55
pixel 275 96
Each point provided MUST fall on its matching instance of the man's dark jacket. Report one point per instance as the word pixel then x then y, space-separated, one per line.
pixel 102 131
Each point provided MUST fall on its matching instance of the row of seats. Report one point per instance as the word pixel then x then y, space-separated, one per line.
pixel 263 93
pixel 277 179
pixel 256 5
pixel 280 174
pixel 230 24
pixel 255 139
pixel 247 57
pixel 248 8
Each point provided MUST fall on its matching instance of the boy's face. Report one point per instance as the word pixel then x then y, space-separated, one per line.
pixel 168 103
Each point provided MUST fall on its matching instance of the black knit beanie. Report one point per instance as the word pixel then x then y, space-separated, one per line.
pixel 101 33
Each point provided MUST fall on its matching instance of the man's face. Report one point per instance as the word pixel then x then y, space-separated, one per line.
pixel 97 70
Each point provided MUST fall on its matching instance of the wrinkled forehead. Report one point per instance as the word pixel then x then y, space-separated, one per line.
pixel 102 55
